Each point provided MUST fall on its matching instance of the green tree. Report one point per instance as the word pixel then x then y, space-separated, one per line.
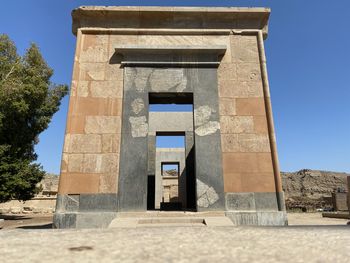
pixel 28 100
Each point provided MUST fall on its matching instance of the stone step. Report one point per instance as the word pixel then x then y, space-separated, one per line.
pixel 163 221
pixel 170 214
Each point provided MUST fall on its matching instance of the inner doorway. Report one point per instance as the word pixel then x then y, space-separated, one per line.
pixel 170 174
pixel 171 152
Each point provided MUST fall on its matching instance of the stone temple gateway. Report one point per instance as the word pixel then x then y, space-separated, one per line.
pixel 128 58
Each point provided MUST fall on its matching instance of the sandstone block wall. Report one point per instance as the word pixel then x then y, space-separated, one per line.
pixel 247 160
pixel 90 157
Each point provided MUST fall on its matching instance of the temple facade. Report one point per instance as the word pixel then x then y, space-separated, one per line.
pixel 130 58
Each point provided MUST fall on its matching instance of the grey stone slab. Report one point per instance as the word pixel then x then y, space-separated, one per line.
pixel 266 201
pixel 98 202
pixel 277 218
pixel 170 121
pixel 133 170
pixel 94 220
pixel 64 220
pixel 133 174
pixel 242 218
pixel 67 203
pixel 240 202
pixel 209 178
pixel 72 203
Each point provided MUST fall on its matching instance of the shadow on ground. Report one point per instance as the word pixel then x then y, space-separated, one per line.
pixel 45 226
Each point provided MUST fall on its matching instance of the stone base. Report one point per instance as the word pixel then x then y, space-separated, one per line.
pixel 83 219
pixel 258 218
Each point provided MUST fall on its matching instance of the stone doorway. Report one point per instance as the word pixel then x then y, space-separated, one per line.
pixel 171 143
pixel 170 186
pixel 146 86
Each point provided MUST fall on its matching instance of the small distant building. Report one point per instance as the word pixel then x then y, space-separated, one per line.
pixel 340 202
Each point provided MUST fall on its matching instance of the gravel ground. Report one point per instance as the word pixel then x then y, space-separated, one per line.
pixel 180 244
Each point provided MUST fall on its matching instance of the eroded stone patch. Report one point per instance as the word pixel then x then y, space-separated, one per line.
pixel 206 194
pixel 139 126
pixel 202 119
pixel 137 105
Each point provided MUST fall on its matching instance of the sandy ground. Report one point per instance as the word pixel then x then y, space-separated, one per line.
pixel 309 238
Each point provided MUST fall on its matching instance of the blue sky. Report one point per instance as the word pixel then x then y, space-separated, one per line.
pixel 308 52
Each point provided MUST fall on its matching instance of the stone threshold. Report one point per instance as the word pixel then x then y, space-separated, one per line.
pixel 170 218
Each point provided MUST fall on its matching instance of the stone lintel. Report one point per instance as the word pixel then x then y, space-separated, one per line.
pixel 170 55
pixel 171 17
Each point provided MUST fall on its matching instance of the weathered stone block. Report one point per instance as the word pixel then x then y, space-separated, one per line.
pixel 247 163
pixel 77 183
pixel 240 89
pixel 227 106
pixel 83 88
pixel 236 124
pixel 167 80
pixel 94 48
pixel 265 201
pixel 83 143
pixel 102 124
pixel 272 218
pixel 114 72
pixel 75 124
pixel 244 49
pixel 248 72
pixel 240 201
pixel 110 143
pixel 107 89
pixel 230 143
pixel 277 218
pixel 245 143
pixel 227 71
pixel 92 71
pixel 250 106
pixel 98 202
pixel 170 40
pixel 253 142
pixel 260 124
pixel 94 220
pixel 109 163
pixel 80 107
pixel 258 181
pixel 108 183
pixel 75 162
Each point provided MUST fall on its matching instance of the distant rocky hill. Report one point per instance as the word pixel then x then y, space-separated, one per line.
pixel 310 189
pixel 172 172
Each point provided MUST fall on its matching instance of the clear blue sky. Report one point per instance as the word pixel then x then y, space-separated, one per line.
pixel 308 52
